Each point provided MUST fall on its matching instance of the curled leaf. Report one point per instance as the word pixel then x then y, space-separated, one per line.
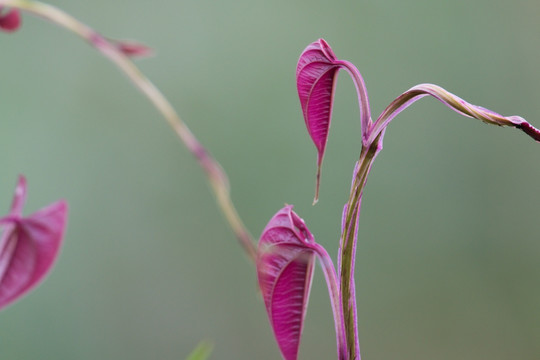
pixel 316 75
pixel 28 245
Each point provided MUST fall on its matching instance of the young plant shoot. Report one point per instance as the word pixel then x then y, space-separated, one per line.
pixel 287 251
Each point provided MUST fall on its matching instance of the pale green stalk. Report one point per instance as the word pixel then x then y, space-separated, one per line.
pixel 216 175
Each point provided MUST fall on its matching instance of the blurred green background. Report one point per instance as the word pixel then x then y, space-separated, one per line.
pixel 448 258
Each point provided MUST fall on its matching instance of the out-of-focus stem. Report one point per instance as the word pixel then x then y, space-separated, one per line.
pixel 216 175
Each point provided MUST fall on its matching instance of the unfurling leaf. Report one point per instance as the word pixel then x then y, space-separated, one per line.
pixel 28 245
pixel 316 75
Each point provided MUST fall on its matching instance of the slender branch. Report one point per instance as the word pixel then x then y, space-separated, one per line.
pixel 455 103
pixel 216 176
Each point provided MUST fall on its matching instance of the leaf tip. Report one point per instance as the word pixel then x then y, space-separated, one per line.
pixel 317 185
pixel 326 49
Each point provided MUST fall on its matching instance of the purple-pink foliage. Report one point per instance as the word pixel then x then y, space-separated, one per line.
pixel 285 270
pixel 29 245
pixel 285 261
pixel 316 76
pixel 287 248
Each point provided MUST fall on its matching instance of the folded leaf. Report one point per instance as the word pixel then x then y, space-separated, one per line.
pixel 286 255
pixel 316 75
pixel 285 271
pixel 28 246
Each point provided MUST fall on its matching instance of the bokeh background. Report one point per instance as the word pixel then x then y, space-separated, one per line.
pixel 448 258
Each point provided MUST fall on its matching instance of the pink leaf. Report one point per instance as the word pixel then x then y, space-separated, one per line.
pixel 10 20
pixel 316 75
pixel 285 270
pixel 286 255
pixel 28 246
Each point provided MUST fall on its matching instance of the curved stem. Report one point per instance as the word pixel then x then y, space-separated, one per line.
pixel 363 100
pixel 347 247
pixel 216 176
pixel 455 103
pixel 333 290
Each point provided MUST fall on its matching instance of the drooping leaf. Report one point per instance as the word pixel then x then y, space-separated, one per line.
pixel 316 75
pixel 28 246
pixel 286 255
pixel 285 270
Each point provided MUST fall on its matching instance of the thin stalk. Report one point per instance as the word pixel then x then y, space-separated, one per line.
pixel 348 247
pixel 333 290
pixel 216 176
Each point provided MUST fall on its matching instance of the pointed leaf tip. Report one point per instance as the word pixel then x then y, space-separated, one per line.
pixel 316 75
pixel 28 246
pixel 10 21
pixel 285 270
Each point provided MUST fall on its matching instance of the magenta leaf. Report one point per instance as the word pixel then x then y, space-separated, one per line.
pixel 316 75
pixel 285 270
pixel 9 20
pixel 286 255
pixel 28 245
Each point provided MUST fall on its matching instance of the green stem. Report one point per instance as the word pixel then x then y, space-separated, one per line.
pixel 348 247
pixel 216 176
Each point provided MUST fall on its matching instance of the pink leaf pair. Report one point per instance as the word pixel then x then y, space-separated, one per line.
pixel 286 256
pixel 28 245
pixel 316 75
pixel 9 20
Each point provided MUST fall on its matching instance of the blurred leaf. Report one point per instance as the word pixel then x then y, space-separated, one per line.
pixel 201 352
